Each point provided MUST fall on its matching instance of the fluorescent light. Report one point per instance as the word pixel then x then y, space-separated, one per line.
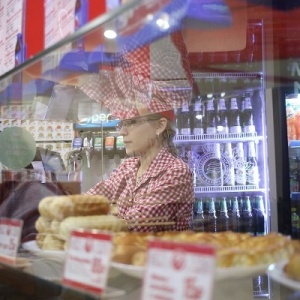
pixel 110 34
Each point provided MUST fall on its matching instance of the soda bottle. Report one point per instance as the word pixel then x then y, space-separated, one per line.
pixel 212 225
pixel 213 167
pixel 234 217
pixel 185 120
pixel 239 165
pixel 198 117
pixel 178 121
pixel 295 223
pixel 246 217
pixel 199 219
pixel 211 118
pixel 234 117
pixel 259 216
pixel 248 122
pixel 223 218
pixel 229 179
pixel 252 174
pixel 222 117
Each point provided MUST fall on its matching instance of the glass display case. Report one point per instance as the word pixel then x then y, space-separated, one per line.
pixel 59 111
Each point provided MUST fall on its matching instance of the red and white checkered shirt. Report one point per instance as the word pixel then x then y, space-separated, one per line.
pixel 165 190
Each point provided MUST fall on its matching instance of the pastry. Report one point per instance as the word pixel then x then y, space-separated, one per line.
pixel 101 222
pixel 232 249
pixel 51 242
pixel 292 268
pixel 42 225
pixel 60 207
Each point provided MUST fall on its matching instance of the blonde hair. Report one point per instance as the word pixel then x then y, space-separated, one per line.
pixel 168 134
pixel 168 137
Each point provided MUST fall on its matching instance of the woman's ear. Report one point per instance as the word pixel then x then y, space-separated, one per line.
pixel 162 125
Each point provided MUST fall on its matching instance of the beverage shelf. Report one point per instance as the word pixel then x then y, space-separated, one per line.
pixel 232 137
pixel 222 189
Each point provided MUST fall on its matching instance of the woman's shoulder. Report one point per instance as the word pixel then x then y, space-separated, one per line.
pixel 175 162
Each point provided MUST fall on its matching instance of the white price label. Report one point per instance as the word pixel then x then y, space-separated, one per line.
pixel 179 271
pixel 10 233
pixel 88 260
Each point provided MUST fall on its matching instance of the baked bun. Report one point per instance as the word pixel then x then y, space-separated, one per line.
pixel 39 239
pixel 292 268
pixel 51 242
pixel 42 225
pixel 61 207
pixel 102 222
pixel 232 249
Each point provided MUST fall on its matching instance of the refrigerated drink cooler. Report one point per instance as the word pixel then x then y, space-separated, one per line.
pixel 223 138
pixel 292 107
pixel 228 160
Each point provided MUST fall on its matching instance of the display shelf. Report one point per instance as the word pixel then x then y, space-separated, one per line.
pixel 232 137
pixel 232 189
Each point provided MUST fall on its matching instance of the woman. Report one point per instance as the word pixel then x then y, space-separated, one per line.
pixel 153 188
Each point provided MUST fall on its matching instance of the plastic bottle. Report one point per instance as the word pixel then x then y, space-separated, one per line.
pixel 239 165
pixel 223 218
pixel 252 173
pixel 212 225
pixel 211 118
pixel 295 223
pixel 247 217
pixel 198 118
pixel 248 122
pixel 229 177
pixel 199 219
pixel 222 126
pixel 234 217
pixel 213 167
pixel 178 121
pixel 185 120
pixel 234 117
pixel 259 216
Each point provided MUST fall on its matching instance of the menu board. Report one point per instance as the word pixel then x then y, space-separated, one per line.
pixel 59 20
pixel 59 23
pixel 11 20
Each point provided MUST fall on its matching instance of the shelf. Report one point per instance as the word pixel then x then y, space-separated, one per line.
pixel 222 189
pixel 232 137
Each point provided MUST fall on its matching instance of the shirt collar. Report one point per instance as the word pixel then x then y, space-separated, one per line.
pixel 160 162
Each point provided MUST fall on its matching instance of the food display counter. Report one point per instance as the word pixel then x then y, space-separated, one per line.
pixel 114 64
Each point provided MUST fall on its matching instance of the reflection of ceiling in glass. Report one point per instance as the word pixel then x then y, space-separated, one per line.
pixel 221 26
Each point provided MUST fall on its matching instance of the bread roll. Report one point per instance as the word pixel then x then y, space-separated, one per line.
pixel 54 226
pixel 102 222
pixel 60 207
pixel 51 242
pixel 42 225
pixel 39 239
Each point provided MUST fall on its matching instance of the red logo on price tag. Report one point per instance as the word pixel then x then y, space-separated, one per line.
pixel 88 260
pixel 179 271
pixel 10 233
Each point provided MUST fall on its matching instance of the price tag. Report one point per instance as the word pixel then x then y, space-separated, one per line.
pixel 88 260
pixel 10 233
pixel 179 271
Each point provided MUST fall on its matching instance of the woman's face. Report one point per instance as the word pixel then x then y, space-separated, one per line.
pixel 140 134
